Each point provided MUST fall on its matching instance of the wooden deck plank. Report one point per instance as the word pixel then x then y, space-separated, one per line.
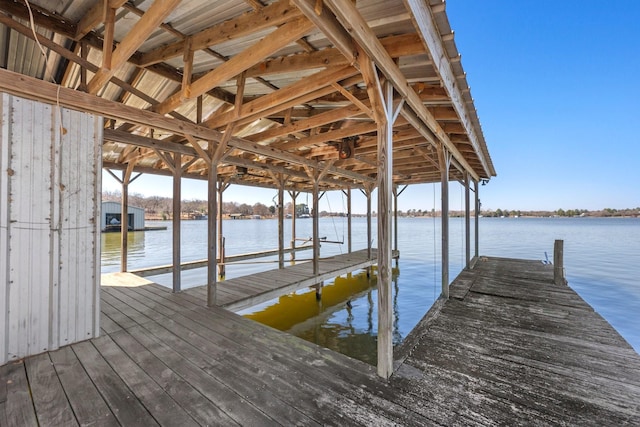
pixel 227 399
pixel 88 405
pixel 18 406
pixel 157 402
pixel 121 400
pixel 255 405
pixel 297 386
pixel 515 348
pixel 52 407
pixel 181 391
pixel 343 371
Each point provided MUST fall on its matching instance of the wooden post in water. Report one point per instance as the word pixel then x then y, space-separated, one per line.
pixel 222 186
pixel 124 213
pixel 124 225
pixel 367 193
pixel 445 162
pixel 177 198
pixel 349 219
pixel 467 221
pixel 316 232
pixel 558 262
pixel 294 196
pixel 385 194
pixel 212 274
pixel 477 220
pixel 396 194
pixel 281 224
pixel 395 219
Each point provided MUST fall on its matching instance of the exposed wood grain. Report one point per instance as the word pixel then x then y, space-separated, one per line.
pixel 121 400
pixel 156 13
pixel 88 405
pixel 17 404
pixel 510 348
pixel 52 407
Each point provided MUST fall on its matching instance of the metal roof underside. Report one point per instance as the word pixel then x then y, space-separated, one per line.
pixel 292 81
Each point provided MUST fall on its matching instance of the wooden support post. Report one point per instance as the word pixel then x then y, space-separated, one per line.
pixel 395 217
pixel 124 225
pixel 221 244
pixel 385 191
pixel 349 245
pixel 281 225
pixel 177 197
pixel 445 162
pixel 467 221
pixel 212 279
pixel 558 263
pixel 369 234
pixel 124 215
pixel 316 232
pixel 294 196
pixel 477 220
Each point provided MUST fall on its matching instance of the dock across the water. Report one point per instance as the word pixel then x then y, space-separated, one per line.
pixel 509 347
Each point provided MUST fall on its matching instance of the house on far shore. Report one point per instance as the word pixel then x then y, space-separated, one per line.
pixel 111 217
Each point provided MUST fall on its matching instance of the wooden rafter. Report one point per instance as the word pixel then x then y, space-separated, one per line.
pixel 273 42
pixel 359 30
pixel 158 11
pixel 269 16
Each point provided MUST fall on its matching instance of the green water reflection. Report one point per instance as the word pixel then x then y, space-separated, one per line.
pixel 344 319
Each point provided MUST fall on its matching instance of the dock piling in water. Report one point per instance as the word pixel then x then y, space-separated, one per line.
pixel 558 263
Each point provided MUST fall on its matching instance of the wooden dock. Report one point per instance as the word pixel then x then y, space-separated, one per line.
pixel 508 348
pixel 246 291
pixel 202 263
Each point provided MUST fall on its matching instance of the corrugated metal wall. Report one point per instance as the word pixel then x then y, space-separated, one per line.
pixel 49 236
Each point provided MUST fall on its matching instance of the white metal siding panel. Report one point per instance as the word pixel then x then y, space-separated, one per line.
pixel 49 209
pixel 4 228
pixel 30 227
pixel 78 192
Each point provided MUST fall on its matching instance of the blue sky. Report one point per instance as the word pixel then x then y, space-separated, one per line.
pixel 556 86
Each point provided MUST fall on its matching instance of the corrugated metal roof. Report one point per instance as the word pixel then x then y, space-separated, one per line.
pixel 56 20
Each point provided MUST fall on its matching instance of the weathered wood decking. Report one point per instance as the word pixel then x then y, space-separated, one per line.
pixel 190 265
pixel 246 291
pixel 512 348
pixel 508 348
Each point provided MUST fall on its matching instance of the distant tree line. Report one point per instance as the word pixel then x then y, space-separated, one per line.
pixel 607 212
pixel 162 208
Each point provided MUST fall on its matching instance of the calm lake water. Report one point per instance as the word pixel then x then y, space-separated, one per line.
pixel 602 262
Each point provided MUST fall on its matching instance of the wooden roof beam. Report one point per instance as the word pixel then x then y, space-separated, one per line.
pixel 397 46
pixel 358 28
pixel 298 91
pixel 32 88
pixel 154 16
pixel 270 44
pixel 41 17
pixel 306 124
pixel 269 16
pixel 95 16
